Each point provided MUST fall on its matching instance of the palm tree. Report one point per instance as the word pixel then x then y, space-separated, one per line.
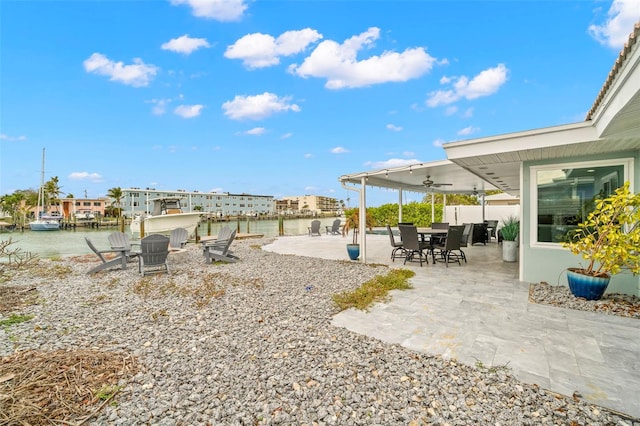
pixel 116 195
pixel 52 191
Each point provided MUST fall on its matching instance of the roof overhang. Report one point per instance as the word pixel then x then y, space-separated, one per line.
pixel 411 177
pixel 612 125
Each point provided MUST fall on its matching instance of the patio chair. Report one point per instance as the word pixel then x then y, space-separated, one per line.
pixel 334 229
pixel 464 242
pixel 154 252
pixel 412 244
pixel 314 229
pixel 492 226
pixel 450 250
pixel 118 261
pixel 119 240
pixel 218 250
pixel 439 239
pixel 398 249
pixel 178 238
pixel 479 233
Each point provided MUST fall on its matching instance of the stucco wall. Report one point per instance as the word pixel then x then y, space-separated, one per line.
pixel 549 264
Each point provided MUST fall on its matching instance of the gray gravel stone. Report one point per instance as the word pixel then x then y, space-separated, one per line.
pixel 262 351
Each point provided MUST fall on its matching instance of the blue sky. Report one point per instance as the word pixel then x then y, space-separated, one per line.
pixel 282 97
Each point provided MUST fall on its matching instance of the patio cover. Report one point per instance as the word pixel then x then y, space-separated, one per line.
pixel 410 178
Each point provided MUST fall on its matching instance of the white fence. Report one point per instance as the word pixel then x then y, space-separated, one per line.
pixel 457 215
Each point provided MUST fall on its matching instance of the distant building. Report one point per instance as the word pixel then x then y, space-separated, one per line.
pixel 315 203
pixel 284 207
pixel 501 199
pixel 136 200
pixel 69 208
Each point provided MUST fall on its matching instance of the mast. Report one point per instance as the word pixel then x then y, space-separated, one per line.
pixel 41 191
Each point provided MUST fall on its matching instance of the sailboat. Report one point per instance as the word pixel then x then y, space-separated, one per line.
pixel 41 223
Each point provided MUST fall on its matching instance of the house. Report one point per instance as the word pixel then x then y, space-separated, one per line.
pixel 501 199
pixel 556 172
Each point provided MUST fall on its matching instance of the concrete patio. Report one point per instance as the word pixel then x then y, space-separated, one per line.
pixel 479 313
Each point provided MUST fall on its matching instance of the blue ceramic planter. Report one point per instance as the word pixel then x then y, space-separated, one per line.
pixel 354 251
pixel 587 286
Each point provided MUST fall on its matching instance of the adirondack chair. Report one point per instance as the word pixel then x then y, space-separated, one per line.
pixel 178 238
pixel 314 229
pixel 218 250
pixel 334 229
pixel 118 261
pixel 119 240
pixel 154 251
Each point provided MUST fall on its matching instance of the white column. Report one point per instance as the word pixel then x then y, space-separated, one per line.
pixel 363 221
pixel 433 207
pixel 444 207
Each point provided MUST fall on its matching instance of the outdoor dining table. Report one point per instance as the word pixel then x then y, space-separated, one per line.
pixel 429 232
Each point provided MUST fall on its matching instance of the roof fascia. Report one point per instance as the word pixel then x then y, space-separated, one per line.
pixel 522 141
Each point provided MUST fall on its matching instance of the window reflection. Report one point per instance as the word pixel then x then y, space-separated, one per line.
pixel 567 196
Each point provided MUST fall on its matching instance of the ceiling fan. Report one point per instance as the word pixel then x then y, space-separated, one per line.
pixel 431 184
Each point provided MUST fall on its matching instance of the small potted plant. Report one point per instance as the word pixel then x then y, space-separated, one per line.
pixel 352 222
pixel 510 231
pixel 609 240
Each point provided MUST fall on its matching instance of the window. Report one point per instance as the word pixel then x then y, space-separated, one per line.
pixel 562 195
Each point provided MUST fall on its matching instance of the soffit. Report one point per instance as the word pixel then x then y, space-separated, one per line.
pixel 411 177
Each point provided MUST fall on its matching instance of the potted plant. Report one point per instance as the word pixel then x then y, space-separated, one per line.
pixel 510 231
pixel 352 222
pixel 609 239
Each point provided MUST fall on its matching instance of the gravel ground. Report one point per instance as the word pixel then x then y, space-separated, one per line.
pixel 252 343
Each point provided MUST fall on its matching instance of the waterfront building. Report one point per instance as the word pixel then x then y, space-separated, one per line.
pixel 220 204
pixel 315 203
pixel 287 207
pixel 68 208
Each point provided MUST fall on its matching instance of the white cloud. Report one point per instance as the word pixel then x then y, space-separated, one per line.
pixel 216 190
pixel 339 150
pixel 263 50
pixel 338 63
pixel 257 107
pixel 6 137
pixel 409 153
pixel 308 155
pixel 256 131
pixel 185 44
pixel 394 128
pixel 469 113
pixel 439 142
pixel 391 163
pixel 451 110
pixel 137 74
pixel 188 111
pixel 486 83
pixel 621 17
pixel 286 135
pixel 220 10
pixel 310 188
pixel 91 177
pixel 159 106
pixel 467 131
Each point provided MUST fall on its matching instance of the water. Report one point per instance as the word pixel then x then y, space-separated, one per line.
pixel 48 244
